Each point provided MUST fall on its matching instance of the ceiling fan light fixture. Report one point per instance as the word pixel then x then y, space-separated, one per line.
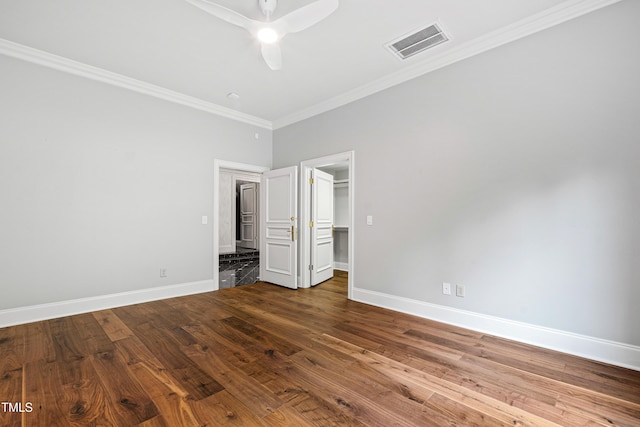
pixel 268 32
pixel 267 35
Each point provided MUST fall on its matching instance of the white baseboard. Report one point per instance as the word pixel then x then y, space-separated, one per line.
pixel 34 313
pixel 611 352
pixel 342 266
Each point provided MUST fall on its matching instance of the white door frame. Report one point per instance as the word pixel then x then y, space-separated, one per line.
pixel 217 165
pixel 305 215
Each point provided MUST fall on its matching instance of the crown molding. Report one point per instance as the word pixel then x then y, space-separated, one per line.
pixel 556 15
pixel 60 63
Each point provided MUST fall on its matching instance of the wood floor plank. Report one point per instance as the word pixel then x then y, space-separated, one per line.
pixel 340 363
pixel 129 402
pixel 166 347
pixel 198 308
pixel 266 355
pixel 407 341
pixel 260 400
pixel 128 399
pixel 275 382
pixel 38 343
pixel 266 339
pixel 314 411
pixel 338 395
pixel 83 399
pixel 389 367
pixel 112 325
pixel 459 414
pixel 11 373
pixel 393 347
pixel 532 363
pixel 601 409
pixel 286 416
pixel 173 402
pixel 197 382
pixel 408 405
pixel 570 399
pixel 223 409
pixel 158 421
pixel 250 347
pixel 610 376
pixel 44 389
pixel 215 353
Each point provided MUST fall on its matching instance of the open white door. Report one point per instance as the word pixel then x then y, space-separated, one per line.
pixel 278 239
pixel 322 227
pixel 248 215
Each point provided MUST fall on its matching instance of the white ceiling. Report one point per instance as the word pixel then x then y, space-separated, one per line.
pixel 176 46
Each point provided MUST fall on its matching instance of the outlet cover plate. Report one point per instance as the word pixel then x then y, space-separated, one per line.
pixel 446 288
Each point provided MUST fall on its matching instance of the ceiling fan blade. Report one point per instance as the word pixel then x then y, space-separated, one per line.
pixel 225 14
pixel 272 55
pixel 306 16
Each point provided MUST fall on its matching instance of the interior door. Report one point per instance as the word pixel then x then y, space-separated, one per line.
pixel 278 236
pixel 248 215
pixel 322 228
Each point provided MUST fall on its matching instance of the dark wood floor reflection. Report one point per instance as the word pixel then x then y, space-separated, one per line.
pixel 264 355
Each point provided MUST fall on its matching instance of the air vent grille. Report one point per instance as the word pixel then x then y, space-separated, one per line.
pixel 418 41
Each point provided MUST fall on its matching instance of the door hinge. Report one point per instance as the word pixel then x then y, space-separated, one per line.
pixel 311 181
pixel 311 267
pixel 311 224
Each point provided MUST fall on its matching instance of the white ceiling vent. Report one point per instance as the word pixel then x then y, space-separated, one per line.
pixel 417 41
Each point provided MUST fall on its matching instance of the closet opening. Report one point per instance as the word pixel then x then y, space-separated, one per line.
pixel 326 202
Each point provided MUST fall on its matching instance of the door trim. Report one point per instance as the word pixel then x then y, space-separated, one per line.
pixel 217 165
pixel 305 215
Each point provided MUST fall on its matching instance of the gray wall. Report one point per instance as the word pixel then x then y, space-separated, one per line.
pixel 515 173
pixel 101 187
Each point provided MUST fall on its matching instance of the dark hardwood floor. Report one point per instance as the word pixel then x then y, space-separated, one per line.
pixel 264 355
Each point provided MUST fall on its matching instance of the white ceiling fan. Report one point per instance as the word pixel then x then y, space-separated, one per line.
pixel 269 33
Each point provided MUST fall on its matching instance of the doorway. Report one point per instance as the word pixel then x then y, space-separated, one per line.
pixel 235 223
pixel 239 260
pixel 246 214
pixel 347 160
pixel 341 166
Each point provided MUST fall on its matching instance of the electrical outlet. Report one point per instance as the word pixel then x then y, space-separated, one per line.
pixel 460 291
pixel 446 288
pixel 163 272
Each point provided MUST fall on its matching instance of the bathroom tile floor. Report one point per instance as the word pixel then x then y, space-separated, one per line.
pixel 241 270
